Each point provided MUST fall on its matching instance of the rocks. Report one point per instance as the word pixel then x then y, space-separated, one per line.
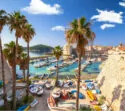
pixel 112 81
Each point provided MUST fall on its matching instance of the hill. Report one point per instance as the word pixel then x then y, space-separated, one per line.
pixel 40 48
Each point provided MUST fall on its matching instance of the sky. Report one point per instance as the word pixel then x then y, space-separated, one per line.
pixel 50 18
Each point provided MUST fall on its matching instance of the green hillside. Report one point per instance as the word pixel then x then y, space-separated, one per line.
pixel 40 48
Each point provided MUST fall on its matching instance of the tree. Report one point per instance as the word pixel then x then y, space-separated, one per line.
pixel 16 22
pixel 24 63
pixel 80 34
pixel 3 20
pixel 57 51
pixel 28 34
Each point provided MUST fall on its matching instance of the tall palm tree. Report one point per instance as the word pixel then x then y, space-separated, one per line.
pixel 3 20
pixel 24 63
pixel 28 34
pixel 16 22
pixel 80 34
pixel 57 51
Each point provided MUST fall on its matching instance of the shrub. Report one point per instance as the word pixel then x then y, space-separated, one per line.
pixel 26 99
pixel 85 109
pixel 101 100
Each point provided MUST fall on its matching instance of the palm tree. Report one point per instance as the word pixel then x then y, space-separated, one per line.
pixel 57 51
pixel 28 34
pixel 80 34
pixel 16 22
pixel 24 63
pixel 3 20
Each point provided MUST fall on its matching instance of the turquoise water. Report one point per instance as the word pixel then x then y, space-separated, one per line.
pixel 68 70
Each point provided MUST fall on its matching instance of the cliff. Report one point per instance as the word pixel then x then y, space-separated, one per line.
pixel 112 80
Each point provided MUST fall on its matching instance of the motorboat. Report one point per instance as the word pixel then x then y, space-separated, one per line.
pixel 51 68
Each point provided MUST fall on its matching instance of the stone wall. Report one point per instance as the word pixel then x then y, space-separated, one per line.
pixel 8 73
pixel 112 81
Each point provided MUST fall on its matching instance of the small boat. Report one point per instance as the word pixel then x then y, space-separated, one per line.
pixel 97 108
pixel 84 87
pixel 9 98
pixel 48 85
pixel 88 81
pixel 81 96
pixel 91 95
pixel 51 68
pixel 51 102
pixel 94 102
pixel 40 91
pixel 34 103
pixel 34 90
pixel 23 108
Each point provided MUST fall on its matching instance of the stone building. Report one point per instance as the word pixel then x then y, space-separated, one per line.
pixel 112 80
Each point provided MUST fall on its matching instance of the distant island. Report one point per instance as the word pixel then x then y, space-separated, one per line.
pixel 40 48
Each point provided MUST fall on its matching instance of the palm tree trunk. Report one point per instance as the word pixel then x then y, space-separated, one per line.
pixel 3 76
pixel 78 83
pixel 56 73
pixel 24 74
pixel 28 71
pixel 14 75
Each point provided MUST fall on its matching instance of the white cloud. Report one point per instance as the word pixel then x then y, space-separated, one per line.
pixel 39 7
pixel 108 16
pixel 104 26
pixel 58 28
pixel 122 3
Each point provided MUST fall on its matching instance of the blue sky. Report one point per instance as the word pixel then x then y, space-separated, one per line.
pixel 50 17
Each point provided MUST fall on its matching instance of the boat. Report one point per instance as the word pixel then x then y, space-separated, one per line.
pixel 51 68
pixel 51 102
pixel 97 108
pixel 34 90
pixel 37 65
pixel 84 87
pixel 23 108
pixel 94 102
pixel 81 96
pixel 56 95
pixel 91 96
pixel 67 105
pixel 34 103
pixel 40 92
pixel 48 85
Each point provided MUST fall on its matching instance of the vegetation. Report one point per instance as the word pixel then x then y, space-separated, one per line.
pixel 80 34
pixel 28 34
pixel 86 109
pixel 101 100
pixel 40 48
pixel 57 51
pixel 24 63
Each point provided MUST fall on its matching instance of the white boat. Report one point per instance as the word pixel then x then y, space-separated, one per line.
pixel 51 68
pixel 34 103
pixel 34 90
pixel 37 65
pixel 48 86
pixel 40 92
